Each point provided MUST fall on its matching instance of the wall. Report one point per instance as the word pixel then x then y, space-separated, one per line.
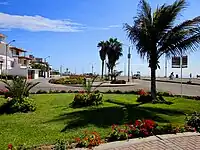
pixel 18 72
pixel 36 76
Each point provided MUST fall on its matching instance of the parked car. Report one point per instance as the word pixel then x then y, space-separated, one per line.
pixel 136 76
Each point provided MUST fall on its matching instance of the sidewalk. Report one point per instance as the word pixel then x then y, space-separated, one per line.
pixel 180 141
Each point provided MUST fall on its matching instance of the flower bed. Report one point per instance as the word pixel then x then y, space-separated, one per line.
pixel 144 128
pixel 140 128
pixel 68 80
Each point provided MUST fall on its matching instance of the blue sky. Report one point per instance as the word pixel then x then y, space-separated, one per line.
pixel 68 30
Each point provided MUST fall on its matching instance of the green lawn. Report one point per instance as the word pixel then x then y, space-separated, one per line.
pixel 53 118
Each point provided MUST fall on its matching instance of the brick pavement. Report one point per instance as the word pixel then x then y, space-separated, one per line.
pixel 188 141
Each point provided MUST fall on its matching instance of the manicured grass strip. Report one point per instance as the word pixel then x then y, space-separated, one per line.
pixel 54 119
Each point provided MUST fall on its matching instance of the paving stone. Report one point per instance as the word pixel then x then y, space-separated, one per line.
pixel 191 142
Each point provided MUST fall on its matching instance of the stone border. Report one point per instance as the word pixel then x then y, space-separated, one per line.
pixel 116 144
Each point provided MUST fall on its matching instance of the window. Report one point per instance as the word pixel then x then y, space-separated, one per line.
pixel 25 62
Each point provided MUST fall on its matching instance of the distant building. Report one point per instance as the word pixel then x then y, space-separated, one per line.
pixel 17 61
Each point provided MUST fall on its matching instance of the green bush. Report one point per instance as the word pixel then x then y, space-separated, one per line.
pixel 87 99
pixel 194 121
pixel 18 87
pixel 18 105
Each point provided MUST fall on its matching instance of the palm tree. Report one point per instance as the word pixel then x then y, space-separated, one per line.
pixel 102 52
pixel 156 34
pixel 114 52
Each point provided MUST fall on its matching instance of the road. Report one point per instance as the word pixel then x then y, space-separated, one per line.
pixel 175 88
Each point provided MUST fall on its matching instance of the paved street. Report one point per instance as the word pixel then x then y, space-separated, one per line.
pixel 175 88
pixel 185 141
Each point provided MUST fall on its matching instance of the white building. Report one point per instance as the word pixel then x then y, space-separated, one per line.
pixel 17 62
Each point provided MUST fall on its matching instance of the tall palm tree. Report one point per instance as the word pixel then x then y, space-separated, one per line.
pixel 156 34
pixel 114 52
pixel 102 52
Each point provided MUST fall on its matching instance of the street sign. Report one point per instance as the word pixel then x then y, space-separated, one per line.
pixel 184 61
pixel 176 62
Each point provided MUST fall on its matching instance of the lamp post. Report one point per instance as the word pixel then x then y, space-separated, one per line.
pixel 7 45
pixel 129 60
pixel 45 60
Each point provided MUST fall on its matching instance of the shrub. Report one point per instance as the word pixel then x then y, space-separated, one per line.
pixel 18 88
pixel 118 82
pixel 89 140
pixel 87 99
pixel 18 105
pixel 68 80
pixel 141 128
pixel 194 121
pixel 144 128
pixel 63 91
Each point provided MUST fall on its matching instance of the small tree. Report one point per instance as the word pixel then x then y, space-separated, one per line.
pixel 18 88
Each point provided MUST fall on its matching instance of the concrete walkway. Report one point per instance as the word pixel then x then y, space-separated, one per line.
pixel 180 141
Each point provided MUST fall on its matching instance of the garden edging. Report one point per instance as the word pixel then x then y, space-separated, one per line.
pixel 130 142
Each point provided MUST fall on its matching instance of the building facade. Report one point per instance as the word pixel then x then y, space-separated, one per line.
pixel 13 61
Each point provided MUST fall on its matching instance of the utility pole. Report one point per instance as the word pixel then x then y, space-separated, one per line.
pixel 129 62
pixel 165 66
pixel 92 69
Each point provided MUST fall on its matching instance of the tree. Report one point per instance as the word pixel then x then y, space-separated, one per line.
pixel 114 52
pixel 155 34
pixel 44 67
pixel 102 52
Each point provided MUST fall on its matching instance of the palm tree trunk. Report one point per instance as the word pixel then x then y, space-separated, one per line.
pixel 153 83
pixel 102 70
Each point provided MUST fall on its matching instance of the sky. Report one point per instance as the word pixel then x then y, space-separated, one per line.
pixel 69 30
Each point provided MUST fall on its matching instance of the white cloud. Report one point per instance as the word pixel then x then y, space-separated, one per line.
pixel 114 26
pixel 38 23
pixel 4 3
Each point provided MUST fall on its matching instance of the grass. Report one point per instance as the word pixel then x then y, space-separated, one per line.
pixel 54 119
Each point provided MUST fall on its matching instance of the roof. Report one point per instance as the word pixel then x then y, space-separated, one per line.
pixel 2 36
pixel 24 57
pixel 17 49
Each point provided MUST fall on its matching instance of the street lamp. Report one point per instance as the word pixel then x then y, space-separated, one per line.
pixel 7 55
pixel 129 60
pixel 46 58
pixel 46 66
pixel 92 67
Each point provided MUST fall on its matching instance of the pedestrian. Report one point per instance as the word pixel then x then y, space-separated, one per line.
pixel 190 77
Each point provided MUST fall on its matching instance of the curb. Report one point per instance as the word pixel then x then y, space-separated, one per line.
pixel 173 82
pixel 116 144
pixel 114 85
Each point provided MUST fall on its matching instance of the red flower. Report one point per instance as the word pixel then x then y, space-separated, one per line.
pixel 10 146
pixel 114 126
pixel 137 123
pixel 81 92
pixel 142 92
pixel 130 135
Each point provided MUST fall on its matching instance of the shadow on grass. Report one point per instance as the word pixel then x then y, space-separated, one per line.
pixel 106 116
